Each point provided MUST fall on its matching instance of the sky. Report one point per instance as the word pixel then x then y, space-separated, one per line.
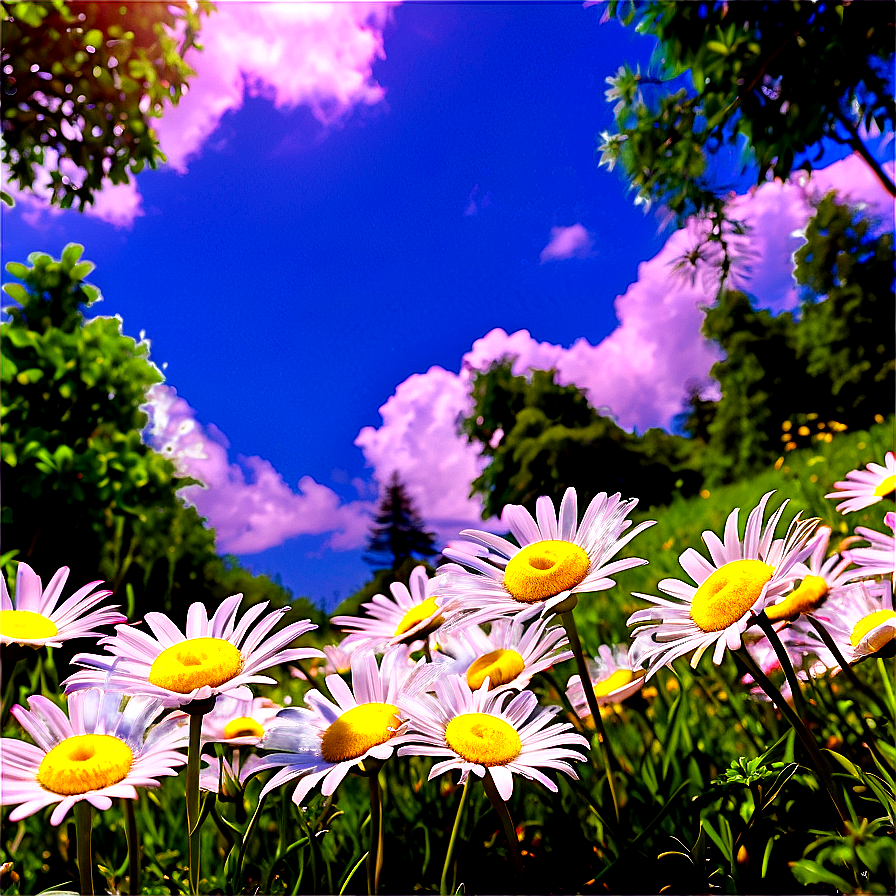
pixel 363 204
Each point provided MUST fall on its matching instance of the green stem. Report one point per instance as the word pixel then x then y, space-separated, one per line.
pixel 606 749
pixel 84 823
pixel 444 889
pixel 784 659
pixel 247 834
pixel 375 856
pixel 509 828
pixel 193 759
pixel 130 823
pixel 821 767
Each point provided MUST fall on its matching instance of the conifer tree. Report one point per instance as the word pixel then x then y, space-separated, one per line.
pixel 398 532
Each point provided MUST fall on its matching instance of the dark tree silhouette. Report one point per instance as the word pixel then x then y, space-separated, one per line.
pixel 398 532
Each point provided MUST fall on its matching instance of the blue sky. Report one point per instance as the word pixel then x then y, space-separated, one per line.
pixel 336 232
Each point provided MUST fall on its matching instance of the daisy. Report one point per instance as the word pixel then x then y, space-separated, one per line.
pixel 861 621
pixel 409 617
pixel 556 558
pixel 323 743
pixel 509 655
pixel 237 721
pixel 97 752
pixel 862 488
pixel 215 656
pixel 338 661
pixel 612 678
pixel 878 560
pixel 820 577
pixel 478 733
pixel 37 619
pixel 741 579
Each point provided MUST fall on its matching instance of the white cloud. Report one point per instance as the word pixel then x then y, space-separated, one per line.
pixel 568 242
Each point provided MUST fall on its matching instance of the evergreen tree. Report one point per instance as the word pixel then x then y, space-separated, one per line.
pixel 398 532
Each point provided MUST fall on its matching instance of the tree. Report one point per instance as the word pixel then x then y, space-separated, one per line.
pixel 81 488
pixel 82 82
pixel 398 533
pixel 758 86
pixel 540 438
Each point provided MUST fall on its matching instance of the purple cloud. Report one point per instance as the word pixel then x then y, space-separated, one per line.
pixel 248 503
pixel 567 242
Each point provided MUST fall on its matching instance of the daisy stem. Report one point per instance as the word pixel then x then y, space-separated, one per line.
pixel 130 827
pixel 606 749
pixel 808 741
pixel 84 824
pixel 247 835
pixel 513 843
pixel 375 856
pixel 444 889
pixel 768 630
pixel 193 753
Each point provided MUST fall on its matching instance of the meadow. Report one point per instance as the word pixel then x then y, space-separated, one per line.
pixel 713 788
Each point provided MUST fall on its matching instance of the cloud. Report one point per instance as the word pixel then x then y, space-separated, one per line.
pixel 248 503
pixel 319 55
pixel 640 372
pixel 567 242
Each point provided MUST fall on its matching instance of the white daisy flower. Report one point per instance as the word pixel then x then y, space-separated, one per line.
pixel 820 576
pixel 237 721
pixel 478 733
pixel 408 618
pixel 612 677
pixel 741 579
pixel 509 655
pixel 216 656
pixel 877 560
pixel 323 743
pixel 97 752
pixel 860 619
pixel 37 619
pixel 862 488
pixel 556 558
pixel 338 662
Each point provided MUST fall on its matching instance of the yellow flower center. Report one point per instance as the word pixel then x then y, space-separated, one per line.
pixel 811 593
pixel 618 679
pixel 869 622
pixel 886 487
pixel 26 625
pixel 729 593
pixel 483 739
pixel 418 614
pixel 359 729
pixel 195 663
pixel 500 666
pixel 543 569
pixel 243 727
pixel 84 763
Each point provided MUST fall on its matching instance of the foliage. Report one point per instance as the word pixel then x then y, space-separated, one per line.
pixel 758 85
pixel 397 533
pixel 540 437
pixel 77 475
pixel 82 82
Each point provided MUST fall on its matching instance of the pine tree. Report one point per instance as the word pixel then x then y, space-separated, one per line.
pixel 398 532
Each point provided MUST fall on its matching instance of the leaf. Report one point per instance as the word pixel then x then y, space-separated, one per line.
pixel 15 291
pixel 808 872
pixel 70 255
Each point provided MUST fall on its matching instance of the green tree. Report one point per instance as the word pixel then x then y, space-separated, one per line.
pixel 82 82
pixel 540 437
pixel 398 532
pixel 746 86
pixel 81 488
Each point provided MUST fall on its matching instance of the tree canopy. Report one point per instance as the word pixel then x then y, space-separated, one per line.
pixel 82 82
pixel 81 488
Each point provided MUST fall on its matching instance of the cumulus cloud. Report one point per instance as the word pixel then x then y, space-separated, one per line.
pixel 248 503
pixel 567 242
pixel 639 373
pixel 319 55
